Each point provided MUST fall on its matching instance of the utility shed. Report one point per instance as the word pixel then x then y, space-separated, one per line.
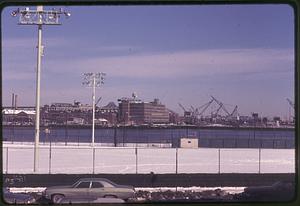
pixel 189 142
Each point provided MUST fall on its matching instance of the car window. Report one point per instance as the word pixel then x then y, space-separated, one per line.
pixel 106 184
pixel 83 185
pixel 96 185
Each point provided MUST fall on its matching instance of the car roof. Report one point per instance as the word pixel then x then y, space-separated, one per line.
pixel 94 179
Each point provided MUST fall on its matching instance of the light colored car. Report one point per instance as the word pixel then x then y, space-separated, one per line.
pixel 89 201
pixel 89 188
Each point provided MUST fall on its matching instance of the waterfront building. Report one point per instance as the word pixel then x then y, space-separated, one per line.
pixel 75 121
pixel 18 116
pixel 77 106
pixel 135 111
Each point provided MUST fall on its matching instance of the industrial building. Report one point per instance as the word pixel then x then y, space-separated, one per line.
pixel 135 111
pixel 18 116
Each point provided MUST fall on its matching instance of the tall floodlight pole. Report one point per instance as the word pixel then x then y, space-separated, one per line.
pixel 38 17
pixel 93 80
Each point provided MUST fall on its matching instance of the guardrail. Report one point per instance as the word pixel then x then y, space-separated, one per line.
pixel 55 159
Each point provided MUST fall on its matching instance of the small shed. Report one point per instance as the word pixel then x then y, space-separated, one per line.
pixel 189 142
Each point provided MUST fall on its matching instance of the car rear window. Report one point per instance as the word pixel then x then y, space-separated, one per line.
pixel 107 184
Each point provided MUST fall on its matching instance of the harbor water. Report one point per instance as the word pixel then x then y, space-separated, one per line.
pixel 208 137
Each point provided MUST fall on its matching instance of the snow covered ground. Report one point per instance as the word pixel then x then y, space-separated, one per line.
pixel 18 158
pixel 230 190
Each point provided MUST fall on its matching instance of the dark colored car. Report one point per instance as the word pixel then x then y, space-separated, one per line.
pixel 17 198
pixel 279 191
pixel 89 188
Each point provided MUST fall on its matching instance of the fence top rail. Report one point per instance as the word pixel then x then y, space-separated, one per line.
pixel 88 147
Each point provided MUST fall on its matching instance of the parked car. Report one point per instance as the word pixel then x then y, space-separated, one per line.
pixel 89 201
pixel 278 191
pixel 17 198
pixel 89 188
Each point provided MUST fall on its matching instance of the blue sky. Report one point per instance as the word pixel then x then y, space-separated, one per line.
pixel 241 54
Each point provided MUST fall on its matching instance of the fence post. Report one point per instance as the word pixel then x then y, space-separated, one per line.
pixel 93 160
pixel 219 154
pixel 176 161
pixel 50 156
pixel 136 161
pixel 259 159
pixel 6 160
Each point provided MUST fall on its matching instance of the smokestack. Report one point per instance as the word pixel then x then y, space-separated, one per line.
pixel 16 97
pixel 12 100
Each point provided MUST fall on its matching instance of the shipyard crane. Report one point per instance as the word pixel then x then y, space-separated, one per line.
pixel 194 111
pixel 234 113
pixel 186 113
pixel 182 107
pixel 221 106
pixel 290 103
pixel 194 115
pixel 98 101
pixel 293 106
pixel 206 105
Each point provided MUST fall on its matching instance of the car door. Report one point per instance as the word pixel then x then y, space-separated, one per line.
pixel 81 190
pixel 97 190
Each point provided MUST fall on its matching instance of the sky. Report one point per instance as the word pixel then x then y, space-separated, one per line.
pixel 241 54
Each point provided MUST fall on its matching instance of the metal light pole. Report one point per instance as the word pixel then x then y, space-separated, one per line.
pixel 38 17
pixel 93 80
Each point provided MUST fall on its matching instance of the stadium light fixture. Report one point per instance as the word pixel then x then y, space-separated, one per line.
pixel 93 80
pixel 38 17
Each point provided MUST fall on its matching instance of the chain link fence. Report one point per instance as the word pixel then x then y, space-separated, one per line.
pixel 55 159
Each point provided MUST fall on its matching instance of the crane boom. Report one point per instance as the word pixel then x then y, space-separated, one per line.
pixel 182 107
pixel 290 102
pixel 234 111
pixel 206 106
pixel 98 101
pixel 221 105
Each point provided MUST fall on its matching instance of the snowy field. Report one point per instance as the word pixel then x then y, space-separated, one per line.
pixel 230 190
pixel 18 158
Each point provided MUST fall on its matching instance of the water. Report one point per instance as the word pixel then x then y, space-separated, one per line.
pixel 214 138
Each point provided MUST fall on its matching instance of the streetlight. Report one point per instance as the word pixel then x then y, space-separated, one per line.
pixel 93 80
pixel 38 17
